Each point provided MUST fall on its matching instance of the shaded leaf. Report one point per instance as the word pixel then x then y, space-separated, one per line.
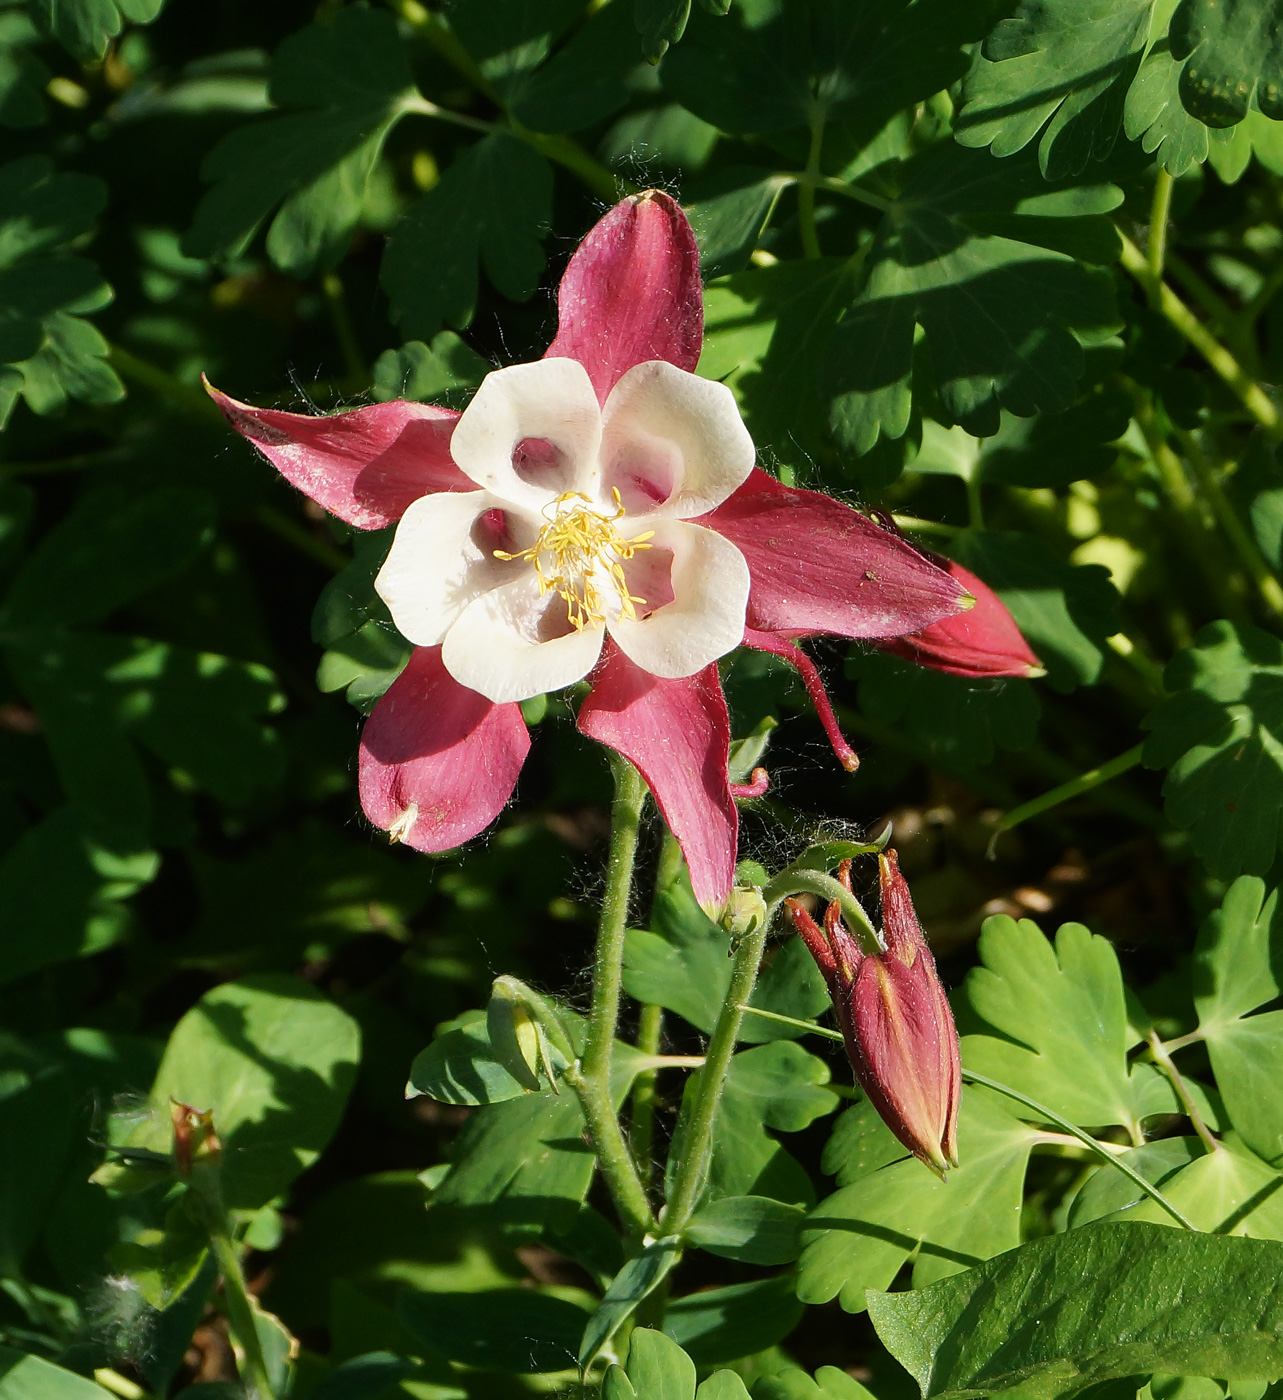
pixel 511 1329
pixel 723 1324
pixel 1220 736
pixel 350 81
pixel 1111 1300
pixel 491 206
pixel 1233 52
pixel 748 1229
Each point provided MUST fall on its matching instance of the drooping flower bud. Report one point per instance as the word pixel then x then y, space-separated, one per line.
pixel 896 1020
pixel 984 641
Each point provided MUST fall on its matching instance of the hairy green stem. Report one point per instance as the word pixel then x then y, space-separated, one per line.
pixel 1075 787
pixel 641 1118
pixel 591 1077
pixel 697 1138
pixel 1227 368
pixel 794 881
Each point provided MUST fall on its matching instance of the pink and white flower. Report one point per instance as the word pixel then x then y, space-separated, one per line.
pixel 596 514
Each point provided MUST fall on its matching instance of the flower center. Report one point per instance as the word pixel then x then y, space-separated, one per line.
pixel 574 549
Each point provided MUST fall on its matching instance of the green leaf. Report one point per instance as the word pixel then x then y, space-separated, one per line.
pixel 24 1377
pixel 275 1061
pixel 1064 65
pixel 22 75
pixel 1227 1192
pixel 510 39
pixel 110 547
pixel 1236 961
pixel 1155 115
pixel 795 1384
pixel 1230 149
pixel 748 1229
pixel 1233 52
pixel 83 27
pixel 459 1066
pixel 958 723
pixel 1059 1022
pixel 52 353
pixel 657 1369
pixel 770 67
pixel 660 23
pixel 363 664
pixel 722 1385
pixel 163 1264
pixel 767 334
pixel 685 966
pixel 990 263
pixel 350 83
pixel 723 1324
pixel 1065 610
pixel 637 1280
pixel 1220 735
pixel 890 1207
pixel 585 81
pixel 492 205
pixel 510 1329
pixel 729 213
pixel 1108 1300
pixel 426 373
pixel 65 891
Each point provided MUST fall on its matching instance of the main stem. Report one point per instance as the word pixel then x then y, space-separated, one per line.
pixel 591 1078
pixel 692 1169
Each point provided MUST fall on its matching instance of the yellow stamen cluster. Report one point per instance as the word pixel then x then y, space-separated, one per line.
pixel 575 543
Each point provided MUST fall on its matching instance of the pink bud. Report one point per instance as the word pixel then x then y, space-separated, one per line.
pixel 983 641
pixel 895 1017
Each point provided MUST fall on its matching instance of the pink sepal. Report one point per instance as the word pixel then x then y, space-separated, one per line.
pixel 982 642
pixel 814 683
pixel 819 566
pixel 632 293
pixel 366 465
pixel 677 733
pixel 438 761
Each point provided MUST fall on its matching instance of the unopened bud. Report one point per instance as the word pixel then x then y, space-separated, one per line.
pixel 196 1144
pixel 745 912
pixel 518 1038
pixel 983 641
pixel 896 1020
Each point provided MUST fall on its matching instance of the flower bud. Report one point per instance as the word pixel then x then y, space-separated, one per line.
pixel 196 1144
pixel 984 641
pixel 896 1020
pixel 517 1022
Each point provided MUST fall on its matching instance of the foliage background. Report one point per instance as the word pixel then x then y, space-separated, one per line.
pixel 919 223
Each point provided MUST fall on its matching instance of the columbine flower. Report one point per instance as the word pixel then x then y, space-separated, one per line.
pixel 984 641
pixel 596 515
pixel 896 1020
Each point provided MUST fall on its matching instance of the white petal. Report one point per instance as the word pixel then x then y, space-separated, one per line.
pixel 442 557
pixel 672 443
pixel 512 644
pixel 705 619
pixel 549 405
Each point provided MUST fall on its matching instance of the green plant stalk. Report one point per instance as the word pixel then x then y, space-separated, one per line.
pixel 641 1118
pixel 358 371
pixel 1174 1077
pixel 1250 556
pixel 1075 787
pixel 591 1077
pixel 167 386
pixel 693 1168
pixel 1160 212
pixel 1099 1149
pixel 1237 380
pixel 794 881
pixel 806 191
pixel 208 1198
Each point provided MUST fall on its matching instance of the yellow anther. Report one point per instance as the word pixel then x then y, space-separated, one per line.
pixel 575 545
